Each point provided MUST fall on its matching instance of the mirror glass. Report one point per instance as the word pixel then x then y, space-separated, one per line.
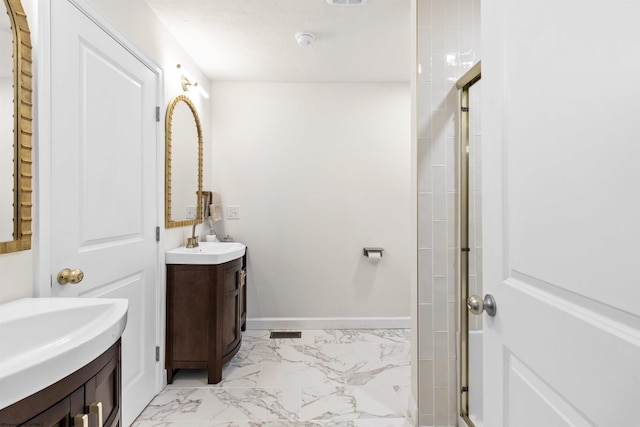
pixel 16 128
pixel 6 127
pixel 183 175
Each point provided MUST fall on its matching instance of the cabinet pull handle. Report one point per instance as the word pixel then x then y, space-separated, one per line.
pixel 96 408
pixel 243 277
pixel 81 420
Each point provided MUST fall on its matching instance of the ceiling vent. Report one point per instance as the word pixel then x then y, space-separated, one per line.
pixel 346 2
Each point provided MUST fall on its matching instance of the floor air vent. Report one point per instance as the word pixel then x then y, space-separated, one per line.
pixel 285 334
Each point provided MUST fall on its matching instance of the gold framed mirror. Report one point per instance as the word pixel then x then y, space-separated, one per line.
pixel 183 164
pixel 15 149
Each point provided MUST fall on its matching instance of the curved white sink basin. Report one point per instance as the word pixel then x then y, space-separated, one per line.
pixel 42 340
pixel 206 253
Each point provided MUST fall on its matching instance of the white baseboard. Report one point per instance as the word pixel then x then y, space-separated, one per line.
pixel 310 323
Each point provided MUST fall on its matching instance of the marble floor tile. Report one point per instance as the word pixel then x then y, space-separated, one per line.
pixel 326 378
pixel 280 423
pixel 259 404
pixel 190 424
pixel 375 374
pixel 178 404
pixel 296 374
pixel 364 363
pixel 403 395
pixel 240 375
pixel 388 422
pixel 348 336
pixel 349 403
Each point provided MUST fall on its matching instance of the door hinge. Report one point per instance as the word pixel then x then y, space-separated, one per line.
pixel 464 109
pixel 157 354
pixel 157 234
pixel 464 389
pixel 157 114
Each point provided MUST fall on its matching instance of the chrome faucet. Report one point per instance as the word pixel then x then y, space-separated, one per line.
pixel 192 242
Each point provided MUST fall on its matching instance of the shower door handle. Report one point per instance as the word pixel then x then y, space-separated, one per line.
pixel 477 305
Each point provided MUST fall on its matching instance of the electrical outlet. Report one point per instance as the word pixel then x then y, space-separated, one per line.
pixel 233 212
pixel 191 212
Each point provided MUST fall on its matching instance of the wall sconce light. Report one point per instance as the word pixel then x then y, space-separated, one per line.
pixel 188 81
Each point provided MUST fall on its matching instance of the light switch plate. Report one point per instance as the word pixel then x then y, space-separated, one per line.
pixel 191 212
pixel 233 212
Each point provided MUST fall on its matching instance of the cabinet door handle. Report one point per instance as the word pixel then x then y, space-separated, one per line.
pixel 96 408
pixel 243 277
pixel 81 420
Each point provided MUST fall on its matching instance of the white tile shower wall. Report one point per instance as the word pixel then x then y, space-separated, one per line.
pixel 448 45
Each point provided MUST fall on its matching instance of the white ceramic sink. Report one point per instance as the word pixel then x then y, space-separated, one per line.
pixel 42 340
pixel 205 253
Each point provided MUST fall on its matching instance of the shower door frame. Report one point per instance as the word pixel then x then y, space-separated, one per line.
pixel 463 85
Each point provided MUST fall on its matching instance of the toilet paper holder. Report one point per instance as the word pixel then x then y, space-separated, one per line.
pixel 372 250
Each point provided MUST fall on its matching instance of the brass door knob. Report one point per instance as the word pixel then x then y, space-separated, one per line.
pixel 70 276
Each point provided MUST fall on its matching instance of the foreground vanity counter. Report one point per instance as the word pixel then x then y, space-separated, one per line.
pixel 206 307
pixel 93 392
pixel 64 366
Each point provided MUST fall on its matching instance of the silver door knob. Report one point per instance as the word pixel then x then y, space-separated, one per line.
pixel 70 276
pixel 477 305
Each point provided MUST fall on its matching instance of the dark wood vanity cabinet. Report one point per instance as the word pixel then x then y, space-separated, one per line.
pixel 204 316
pixel 243 299
pixel 93 391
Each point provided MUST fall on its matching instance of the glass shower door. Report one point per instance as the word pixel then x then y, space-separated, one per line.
pixel 470 246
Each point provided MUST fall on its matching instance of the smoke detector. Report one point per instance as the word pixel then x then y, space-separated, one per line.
pixel 346 2
pixel 305 39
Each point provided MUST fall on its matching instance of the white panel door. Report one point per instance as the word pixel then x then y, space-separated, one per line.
pixel 104 210
pixel 561 210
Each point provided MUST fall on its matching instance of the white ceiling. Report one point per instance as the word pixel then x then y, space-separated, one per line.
pixel 254 40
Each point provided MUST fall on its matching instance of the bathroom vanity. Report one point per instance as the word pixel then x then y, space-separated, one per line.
pixel 206 312
pixel 62 364
pixel 93 392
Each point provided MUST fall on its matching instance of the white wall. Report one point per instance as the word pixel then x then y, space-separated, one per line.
pixel 16 269
pixel 319 171
pixel 16 275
